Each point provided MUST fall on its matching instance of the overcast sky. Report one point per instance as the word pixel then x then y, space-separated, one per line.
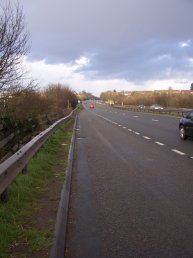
pixel 100 45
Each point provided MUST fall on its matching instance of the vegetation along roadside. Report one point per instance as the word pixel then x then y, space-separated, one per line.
pixel 27 220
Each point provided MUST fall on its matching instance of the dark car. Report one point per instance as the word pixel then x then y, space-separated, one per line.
pixel 186 125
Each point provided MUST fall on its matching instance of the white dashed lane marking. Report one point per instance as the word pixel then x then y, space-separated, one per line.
pixel 160 143
pixel 178 152
pixel 155 120
pixel 146 137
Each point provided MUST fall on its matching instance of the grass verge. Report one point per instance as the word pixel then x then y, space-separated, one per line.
pixel 27 220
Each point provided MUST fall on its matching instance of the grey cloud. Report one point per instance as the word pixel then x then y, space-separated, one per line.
pixel 152 59
pixel 124 37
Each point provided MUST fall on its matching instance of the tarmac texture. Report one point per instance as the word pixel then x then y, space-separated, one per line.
pixel 128 197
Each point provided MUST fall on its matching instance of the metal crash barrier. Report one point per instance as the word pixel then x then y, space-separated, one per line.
pixel 14 165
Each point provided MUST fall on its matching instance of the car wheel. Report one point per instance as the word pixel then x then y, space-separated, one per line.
pixel 183 135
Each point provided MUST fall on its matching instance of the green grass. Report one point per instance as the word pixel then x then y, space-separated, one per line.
pixel 26 189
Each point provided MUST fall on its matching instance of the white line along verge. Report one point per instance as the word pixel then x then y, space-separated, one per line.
pixel 160 143
pixel 146 137
pixel 178 152
pixel 104 118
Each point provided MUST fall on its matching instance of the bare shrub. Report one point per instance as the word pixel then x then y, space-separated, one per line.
pixel 23 104
pixel 59 97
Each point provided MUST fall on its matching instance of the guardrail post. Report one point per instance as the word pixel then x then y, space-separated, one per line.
pixel 4 195
pixel 24 170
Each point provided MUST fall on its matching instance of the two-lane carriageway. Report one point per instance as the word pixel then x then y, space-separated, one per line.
pixel 132 187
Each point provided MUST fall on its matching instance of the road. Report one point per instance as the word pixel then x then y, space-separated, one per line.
pixel 132 187
pixel 159 128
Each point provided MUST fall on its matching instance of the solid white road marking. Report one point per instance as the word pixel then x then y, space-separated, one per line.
pixel 178 152
pixel 160 143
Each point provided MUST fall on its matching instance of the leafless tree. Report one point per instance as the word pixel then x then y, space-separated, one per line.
pixel 13 46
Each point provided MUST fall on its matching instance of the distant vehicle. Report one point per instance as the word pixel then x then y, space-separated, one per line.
pixel 91 105
pixel 156 107
pixel 141 106
pixel 186 125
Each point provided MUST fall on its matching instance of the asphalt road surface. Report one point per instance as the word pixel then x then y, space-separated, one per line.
pixel 132 187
